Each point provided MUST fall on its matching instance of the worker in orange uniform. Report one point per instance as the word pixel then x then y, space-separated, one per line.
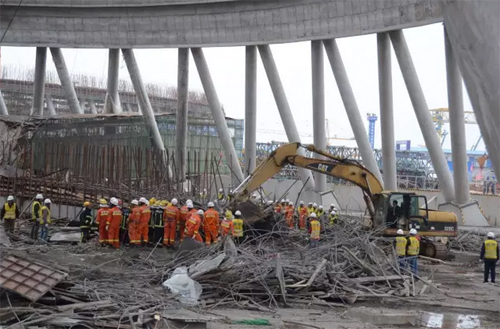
pixel 314 230
pixel 171 217
pixel 144 221
pixel 211 224
pixel 133 223
pixel 302 210
pixel 193 226
pixel 100 219
pixel 226 226
pixel 278 208
pixel 181 225
pixel 289 210
pixel 113 224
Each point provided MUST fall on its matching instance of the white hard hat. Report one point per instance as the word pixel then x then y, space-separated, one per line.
pixel 39 196
pixel 310 203
pixel 413 231
pixel 135 202
pixel 189 201
pixel 320 207
pixel 210 204
pixel 301 202
pixel 313 215
pixel 200 212
pixel 10 198
pixel 315 204
pixel 143 200
pixel 237 213
pixel 491 235
pixel 287 200
pixel 113 201
pixel 332 205
pixel 174 201
pixel 47 201
pixel 283 201
pixel 270 202
pixel 204 190
pixel 190 205
pixel 230 191
pixel 400 232
pixel 221 190
pixel 290 203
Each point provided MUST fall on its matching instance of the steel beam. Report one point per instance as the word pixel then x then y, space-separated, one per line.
pixel 112 101
pixel 181 127
pixel 351 107
pixel 250 108
pixel 386 111
pixel 66 83
pixel 217 114
pixel 39 83
pixel 423 115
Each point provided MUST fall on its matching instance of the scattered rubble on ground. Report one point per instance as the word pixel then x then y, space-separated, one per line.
pixel 470 241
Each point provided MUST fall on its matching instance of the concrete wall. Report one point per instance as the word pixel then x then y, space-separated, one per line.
pixel 102 23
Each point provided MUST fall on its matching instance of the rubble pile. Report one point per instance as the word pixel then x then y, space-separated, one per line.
pixel 470 241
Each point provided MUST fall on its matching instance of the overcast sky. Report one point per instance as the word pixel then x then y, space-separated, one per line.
pixel 294 64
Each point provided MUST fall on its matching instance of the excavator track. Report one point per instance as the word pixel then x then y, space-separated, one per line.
pixel 434 249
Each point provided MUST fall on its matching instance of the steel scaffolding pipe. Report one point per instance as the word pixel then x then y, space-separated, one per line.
pixel 423 115
pixel 39 83
pixel 217 114
pixel 351 107
pixel 283 107
pixel 250 108
pixel 181 125
pixel 112 101
pixel 69 89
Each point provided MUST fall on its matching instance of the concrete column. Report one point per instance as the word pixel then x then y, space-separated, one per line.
pixel 217 113
pixel 128 108
pixel 283 107
pixel 351 107
pixel 82 104
pixel 386 111
pixel 142 96
pixel 39 83
pixel 50 105
pixel 92 107
pixel 423 116
pixel 318 106
pixel 66 83
pixel 181 127
pixel 112 102
pixel 250 108
pixel 3 107
pixel 457 126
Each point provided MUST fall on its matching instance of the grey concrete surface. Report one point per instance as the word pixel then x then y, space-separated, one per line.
pixel 181 124
pixel 113 24
pixel 66 83
pixel 3 107
pixel 50 105
pixel 39 83
pixel 250 108
pixel 112 100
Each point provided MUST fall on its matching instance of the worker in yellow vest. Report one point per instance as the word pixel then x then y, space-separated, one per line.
pixel 490 254
pixel 36 214
pixel 314 229
pixel 9 214
pixel 238 227
pixel 412 251
pixel 400 245
pixel 45 220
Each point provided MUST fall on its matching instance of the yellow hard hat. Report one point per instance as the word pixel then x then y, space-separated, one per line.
pixel 103 201
pixel 229 214
pixel 86 204
pixel 152 201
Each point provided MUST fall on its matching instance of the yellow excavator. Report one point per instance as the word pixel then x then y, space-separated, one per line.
pixel 386 211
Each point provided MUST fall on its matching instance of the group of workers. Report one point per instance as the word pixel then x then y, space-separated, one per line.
pixel 407 250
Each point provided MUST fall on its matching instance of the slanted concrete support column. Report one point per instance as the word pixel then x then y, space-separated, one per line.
pixel 3 107
pixel 217 114
pixel 457 126
pixel 92 107
pixel 83 101
pixel 250 108
pixel 318 99
pixel 66 83
pixel 50 105
pixel 112 102
pixel 181 127
pixel 142 96
pixel 283 107
pixel 39 83
pixel 351 107
pixel 386 111
pixel 423 116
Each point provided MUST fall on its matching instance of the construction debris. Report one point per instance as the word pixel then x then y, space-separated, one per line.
pixel 470 241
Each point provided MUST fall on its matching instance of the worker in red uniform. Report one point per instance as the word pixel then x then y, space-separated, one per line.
pixel 289 210
pixel 278 208
pixel 100 219
pixel 193 226
pixel 113 224
pixel 302 210
pixel 181 225
pixel 211 224
pixel 133 223
pixel 226 226
pixel 171 216
pixel 144 221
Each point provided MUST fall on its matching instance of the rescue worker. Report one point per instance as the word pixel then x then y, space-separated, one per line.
pixel 85 221
pixel 171 217
pixel 193 226
pixel 320 212
pixel 133 223
pixel 315 208
pixel 314 230
pixel 203 196
pixel 36 214
pixel 100 219
pixel 45 220
pixel 113 224
pixel 289 211
pixel 400 244
pixel 227 226
pixel 158 225
pixel 151 230
pixel 278 207
pixel 211 224
pixel 144 221
pixel 490 254
pixel 181 225
pixel 124 226
pixel 310 209
pixel 412 251
pixel 9 214
pixel 238 233
pixel 220 195
pixel 302 216
pixel 332 215
pixel 229 196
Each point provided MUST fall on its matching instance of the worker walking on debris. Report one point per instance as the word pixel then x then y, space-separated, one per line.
pixel 490 254
pixel 133 223
pixel 9 214
pixel 101 218
pixel 145 217
pixel 85 221
pixel 211 224
pixel 238 233
pixel 314 230
pixel 289 211
pixel 181 226
pixel 44 223
pixel 226 226
pixel 400 244
pixel 193 226
pixel 36 214
pixel 302 216
pixel 412 251
pixel 171 217
pixel 113 224
pixel 124 236
pixel 332 215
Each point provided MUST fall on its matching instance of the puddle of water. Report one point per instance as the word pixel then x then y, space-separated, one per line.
pixel 450 321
